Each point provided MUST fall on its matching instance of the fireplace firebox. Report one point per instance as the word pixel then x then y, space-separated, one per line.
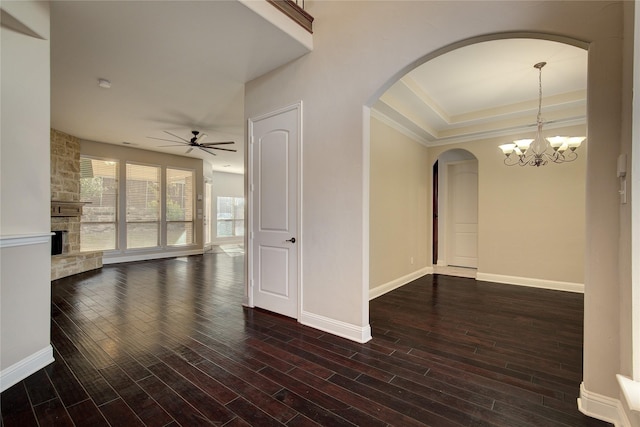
pixel 57 241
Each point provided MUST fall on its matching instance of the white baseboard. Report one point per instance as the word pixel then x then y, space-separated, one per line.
pixel 401 281
pixel 336 327
pixel 631 393
pixel 27 366
pixel 602 407
pixel 117 258
pixel 533 283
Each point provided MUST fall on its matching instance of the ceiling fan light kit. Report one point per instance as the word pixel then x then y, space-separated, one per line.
pixel 195 142
pixel 539 151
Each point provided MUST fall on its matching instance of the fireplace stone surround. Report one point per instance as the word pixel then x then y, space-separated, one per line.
pixel 65 189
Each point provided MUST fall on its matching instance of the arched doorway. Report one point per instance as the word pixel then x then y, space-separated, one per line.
pixel 455 213
pixel 490 109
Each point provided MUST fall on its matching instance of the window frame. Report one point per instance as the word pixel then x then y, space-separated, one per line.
pixel 116 221
pixel 234 220
pixel 126 221
pixel 165 204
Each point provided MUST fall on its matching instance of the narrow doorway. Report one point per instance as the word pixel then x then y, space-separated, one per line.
pixel 434 245
pixel 455 213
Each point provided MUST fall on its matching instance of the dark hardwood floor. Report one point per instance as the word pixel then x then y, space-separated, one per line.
pixel 167 343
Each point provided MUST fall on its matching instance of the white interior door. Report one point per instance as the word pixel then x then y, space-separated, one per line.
pixel 274 239
pixel 463 214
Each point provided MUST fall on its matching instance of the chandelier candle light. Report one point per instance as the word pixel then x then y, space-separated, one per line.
pixel 539 151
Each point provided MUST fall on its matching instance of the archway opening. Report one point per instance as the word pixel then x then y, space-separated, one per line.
pixel 432 110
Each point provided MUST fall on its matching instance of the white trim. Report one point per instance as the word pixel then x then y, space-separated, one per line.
pixel 531 282
pixel 250 190
pixel 400 281
pixel 299 195
pixel 635 204
pixel 383 118
pixel 24 239
pixel 115 259
pixel 631 391
pixel 438 141
pixel 282 22
pixel 602 407
pixel 336 327
pixel 25 367
pixel 366 214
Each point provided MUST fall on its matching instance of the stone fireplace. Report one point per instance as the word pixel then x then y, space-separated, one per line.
pixel 66 207
pixel 58 242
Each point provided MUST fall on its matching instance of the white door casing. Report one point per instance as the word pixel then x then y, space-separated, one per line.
pixel 274 194
pixel 208 211
pixel 463 214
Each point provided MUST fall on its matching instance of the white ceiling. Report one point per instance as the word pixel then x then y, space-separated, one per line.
pixel 489 88
pixel 179 66
pixel 174 66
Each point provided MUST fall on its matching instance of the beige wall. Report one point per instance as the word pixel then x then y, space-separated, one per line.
pixel 531 220
pixel 24 197
pixel 362 48
pixel 123 154
pixel 399 205
pixel 630 286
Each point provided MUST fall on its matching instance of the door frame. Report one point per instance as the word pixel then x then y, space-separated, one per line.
pixel 443 200
pixel 448 238
pixel 251 194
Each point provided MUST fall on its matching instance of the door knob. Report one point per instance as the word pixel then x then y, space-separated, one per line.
pixel 292 240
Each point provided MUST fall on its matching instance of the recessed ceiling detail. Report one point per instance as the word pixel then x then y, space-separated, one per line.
pixel 488 89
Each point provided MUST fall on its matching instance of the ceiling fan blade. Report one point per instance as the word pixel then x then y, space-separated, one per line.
pixel 223 149
pixel 189 150
pixel 176 136
pixel 207 144
pixel 174 145
pixel 206 151
pixel 163 139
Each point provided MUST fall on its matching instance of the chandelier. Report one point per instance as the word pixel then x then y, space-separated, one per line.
pixel 539 151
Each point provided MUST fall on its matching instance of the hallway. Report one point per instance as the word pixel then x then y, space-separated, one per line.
pixel 167 342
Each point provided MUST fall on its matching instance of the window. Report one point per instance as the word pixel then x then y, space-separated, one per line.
pixel 99 188
pixel 179 200
pixel 230 216
pixel 143 206
pixel 208 214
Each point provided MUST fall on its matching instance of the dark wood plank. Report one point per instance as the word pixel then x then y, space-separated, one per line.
pixel 16 408
pixel 168 343
pixel 67 386
pixel 39 388
pixel 87 413
pixel 149 412
pixel 52 413
pixel 205 404
pixel 172 403
pixel 118 413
